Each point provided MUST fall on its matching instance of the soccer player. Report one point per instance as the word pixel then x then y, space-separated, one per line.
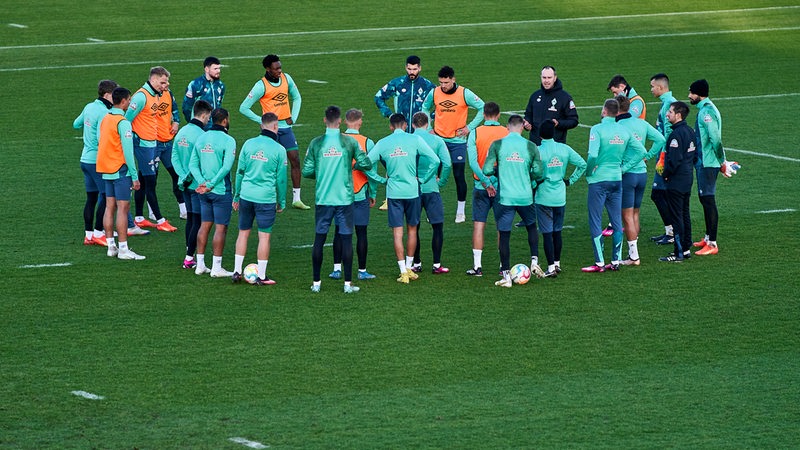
pixel 164 140
pixel 259 193
pixel 365 189
pixel 409 162
pixel 484 192
pixel 89 120
pixel 450 105
pixel 430 197
pixel 609 143
pixel 711 157
pixel 551 193
pixel 659 87
pixel 550 103
pixel 678 172
pixel 150 109
pixel 635 179
pixel 619 86
pixel 516 163
pixel 277 93
pixel 206 87
pixel 182 153
pixel 116 161
pixel 408 91
pixel 329 160
pixel 210 165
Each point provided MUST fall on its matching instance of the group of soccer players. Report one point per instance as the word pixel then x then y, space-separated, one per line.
pixel 127 136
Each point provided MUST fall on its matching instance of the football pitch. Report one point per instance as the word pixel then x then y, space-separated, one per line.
pixel 101 353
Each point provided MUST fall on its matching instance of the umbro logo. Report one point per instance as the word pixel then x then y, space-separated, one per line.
pixel 280 97
pixel 448 104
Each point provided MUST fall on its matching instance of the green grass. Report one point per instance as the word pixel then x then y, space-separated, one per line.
pixel 703 354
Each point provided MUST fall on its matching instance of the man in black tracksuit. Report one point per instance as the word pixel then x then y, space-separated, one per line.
pixel 678 176
pixel 550 103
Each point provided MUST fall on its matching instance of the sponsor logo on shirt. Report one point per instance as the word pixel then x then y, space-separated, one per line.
pixel 515 158
pixel 616 141
pixel 708 118
pixel 128 135
pixel 332 152
pixel 637 137
pixel 280 99
pixel 259 156
pixel 592 137
pixel 133 106
pixel 207 149
pixel 674 143
pixel 691 147
pixel 555 162
pixel 398 153
pixel 571 104
pixel 448 106
pixel 182 143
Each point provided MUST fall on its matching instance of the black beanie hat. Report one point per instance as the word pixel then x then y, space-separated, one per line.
pixel 699 87
pixel 547 129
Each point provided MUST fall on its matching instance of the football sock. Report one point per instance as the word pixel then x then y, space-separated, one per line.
pixel 633 249
pixel 216 263
pixel 402 266
pixel 238 261
pixel 361 246
pixel 460 207
pixel 98 233
pixel 295 194
pixel 111 242
pixel 551 268
pixel 437 242
pixel 123 245
pixel 668 230
pixel 201 260
pixel 337 248
pixel 262 268
pixel 161 220
pixel 89 234
pixel 409 261
pixel 182 208
pixel 188 258
pixel 337 267
pixel 534 260
pixel 476 258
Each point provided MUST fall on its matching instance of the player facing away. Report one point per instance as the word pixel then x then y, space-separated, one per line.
pixel 409 162
pixel 89 121
pixel 210 165
pixel 517 164
pixel 329 162
pixel 484 192
pixel 609 143
pixel 277 93
pixel 634 181
pixel 117 163
pixel 551 193
pixel 450 105
pixel 181 154
pixel 259 193
pixel 430 198
pixel 365 191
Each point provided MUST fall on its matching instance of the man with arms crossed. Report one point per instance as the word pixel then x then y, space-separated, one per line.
pixel 259 193
pixel 115 160
pixel 210 166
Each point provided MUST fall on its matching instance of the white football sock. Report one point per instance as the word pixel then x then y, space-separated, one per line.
pixel 89 234
pixel 402 266
pixel 262 268
pixel 476 258
pixel 337 267
pixel 633 249
pixel 295 194
pixel 216 263
pixel 238 261
pixel 123 245
pixel 460 207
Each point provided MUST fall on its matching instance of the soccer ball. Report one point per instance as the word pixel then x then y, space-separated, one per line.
pixel 250 273
pixel 520 274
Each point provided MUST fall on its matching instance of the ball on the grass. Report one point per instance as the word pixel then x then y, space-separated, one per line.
pixel 520 274
pixel 250 273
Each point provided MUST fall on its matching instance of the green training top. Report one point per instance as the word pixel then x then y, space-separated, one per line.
pixel 552 190
pixel 642 130
pixel 261 174
pixel 212 160
pixel 409 162
pixel 518 165
pixel 329 160
pixel 445 166
pixel 182 152
pixel 89 120
pixel 608 143
pixel 709 136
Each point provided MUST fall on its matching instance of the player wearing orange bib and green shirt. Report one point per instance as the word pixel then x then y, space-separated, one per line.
pixel 619 86
pixel 259 193
pixel 517 163
pixel 181 154
pixel 277 93
pixel 449 106
pixel 329 161
pixel 210 166
pixel 485 189
pixel 365 187
pixel 117 163
pixel 551 193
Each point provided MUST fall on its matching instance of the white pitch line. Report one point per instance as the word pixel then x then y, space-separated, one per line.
pixel 248 443
pixel 318 81
pixel 311 246
pixel 88 395
pixel 428 47
pixel 17 25
pixel 415 28
pixel 773 211
pixel 37 266
pixel 94 40
pixel 766 155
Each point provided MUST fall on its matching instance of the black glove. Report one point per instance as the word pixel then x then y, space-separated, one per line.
pixel 566 181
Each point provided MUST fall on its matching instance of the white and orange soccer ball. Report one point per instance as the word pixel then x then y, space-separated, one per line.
pixel 520 274
pixel 250 273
